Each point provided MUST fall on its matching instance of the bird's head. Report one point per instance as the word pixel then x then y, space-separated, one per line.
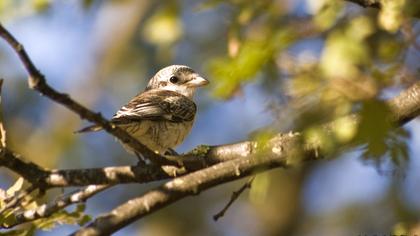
pixel 177 78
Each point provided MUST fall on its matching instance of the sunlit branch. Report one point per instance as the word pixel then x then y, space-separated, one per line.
pixel 59 203
pixel 280 151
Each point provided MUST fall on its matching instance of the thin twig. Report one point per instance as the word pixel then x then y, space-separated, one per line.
pixel 233 197
pixel 37 81
pixel 59 203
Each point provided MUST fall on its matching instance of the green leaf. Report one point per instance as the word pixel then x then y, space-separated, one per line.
pixel 64 217
pixel 382 140
pixel 85 219
pixel 15 187
pixel 230 73
pixel 391 15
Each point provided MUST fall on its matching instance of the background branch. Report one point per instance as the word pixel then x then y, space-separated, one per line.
pixel 233 197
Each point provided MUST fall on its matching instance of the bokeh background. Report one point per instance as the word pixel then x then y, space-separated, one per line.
pixel 273 66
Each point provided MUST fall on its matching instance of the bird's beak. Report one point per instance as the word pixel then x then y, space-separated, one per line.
pixel 198 81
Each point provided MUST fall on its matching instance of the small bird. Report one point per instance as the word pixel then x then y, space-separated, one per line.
pixel 162 115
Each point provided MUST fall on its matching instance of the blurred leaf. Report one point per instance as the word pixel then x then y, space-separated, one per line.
pixel 346 50
pixel 388 49
pixel 230 73
pixel 398 146
pixel 262 137
pixel 380 137
pixel 345 129
pixel 164 27
pixel 88 3
pixel 318 137
pixel 41 5
pixel 327 13
pixel 391 14
pixel 259 189
pixel 7 218
pixel 304 84
pixel 400 229
pixel 374 127
pixel 355 89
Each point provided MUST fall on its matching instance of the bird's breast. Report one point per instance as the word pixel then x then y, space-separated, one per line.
pixel 159 135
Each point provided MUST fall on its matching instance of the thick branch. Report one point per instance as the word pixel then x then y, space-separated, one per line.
pixel 404 107
pixel 278 152
pixel 198 159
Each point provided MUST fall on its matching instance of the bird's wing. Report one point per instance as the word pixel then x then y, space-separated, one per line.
pixel 157 105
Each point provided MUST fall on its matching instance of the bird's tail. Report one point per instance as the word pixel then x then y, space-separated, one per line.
pixel 91 128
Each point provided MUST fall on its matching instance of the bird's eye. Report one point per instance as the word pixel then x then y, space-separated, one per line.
pixel 174 79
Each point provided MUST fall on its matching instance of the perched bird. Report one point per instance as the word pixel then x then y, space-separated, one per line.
pixel 162 115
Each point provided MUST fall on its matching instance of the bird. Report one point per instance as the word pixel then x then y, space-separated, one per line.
pixel 161 116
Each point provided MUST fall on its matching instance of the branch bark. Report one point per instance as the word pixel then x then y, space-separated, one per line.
pixel 197 159
pixel 403 107
pixel 278 152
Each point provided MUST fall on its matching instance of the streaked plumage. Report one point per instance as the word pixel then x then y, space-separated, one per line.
pixel 161 116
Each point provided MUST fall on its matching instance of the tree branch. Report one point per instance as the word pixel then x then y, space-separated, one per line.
pixel 233 197
pixel 28 170
pixel 37 81
pixel 403 107
pixel 217 165
pixel 197 159
pixel 61 202
pixel 277 154
pixel 280 151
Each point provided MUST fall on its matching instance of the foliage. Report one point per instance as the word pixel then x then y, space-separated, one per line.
pixel 359 59
pixel 317 65
pixel 7 218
